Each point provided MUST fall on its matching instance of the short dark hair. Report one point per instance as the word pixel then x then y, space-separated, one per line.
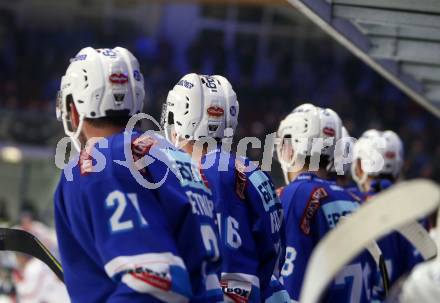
pixel 324 161
pixel 114 121
pixel 388 177
pixel 115 118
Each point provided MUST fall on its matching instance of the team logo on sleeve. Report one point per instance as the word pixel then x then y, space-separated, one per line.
pixel 141 146
pixel 280 190
pixel 311 208
pixel 241 179
pixel 85 162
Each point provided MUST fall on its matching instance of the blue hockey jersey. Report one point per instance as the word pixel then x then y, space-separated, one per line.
pixel 123 242
pixel 250 217
pixel 313 206
pixel 399 254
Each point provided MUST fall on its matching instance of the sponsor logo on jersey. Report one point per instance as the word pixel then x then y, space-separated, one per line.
pixel 118 78
pixel 157 279
pixel 311 208
pixel 237 291
pixel 215 111
pixel 333 211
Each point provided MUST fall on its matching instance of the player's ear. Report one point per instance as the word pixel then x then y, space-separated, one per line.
pixel 173 134
pixel 74 116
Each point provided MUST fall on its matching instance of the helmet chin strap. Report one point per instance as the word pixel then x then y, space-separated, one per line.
pixel 285 165
pixel 285 174
pixel 74 135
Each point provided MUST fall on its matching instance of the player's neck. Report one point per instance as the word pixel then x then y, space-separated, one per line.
pixel 321 173
pixel 94 132
pixel 366 187
pixel 196 153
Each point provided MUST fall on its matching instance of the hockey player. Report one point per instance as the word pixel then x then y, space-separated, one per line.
pixel 121 241
pixel 202 109
pixel 377 162
pixel 312 205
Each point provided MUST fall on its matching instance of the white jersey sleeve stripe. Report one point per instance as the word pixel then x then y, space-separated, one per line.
pixel 123 263
pixel 161 275
pixel 242 277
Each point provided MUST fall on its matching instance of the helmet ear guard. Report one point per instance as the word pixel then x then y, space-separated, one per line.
pixel 313 132
pixel 369 152
pixel 299 129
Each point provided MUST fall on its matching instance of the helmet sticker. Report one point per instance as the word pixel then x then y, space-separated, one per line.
pixel 215 111
pixel 185 83
pixel 233 111
pixel 137 75
pixel 118 78
pixel 329 131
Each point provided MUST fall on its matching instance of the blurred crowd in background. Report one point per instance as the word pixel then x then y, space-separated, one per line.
pixel 325 75
pixel 268 85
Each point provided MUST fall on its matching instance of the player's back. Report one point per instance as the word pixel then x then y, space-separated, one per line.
pixel 250 216
pixel 122 241
pixel 312 207
pixel 399 254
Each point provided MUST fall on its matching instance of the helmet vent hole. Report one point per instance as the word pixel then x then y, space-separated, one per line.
pixel 178 123
pixel 187 105
pixel 93 114
pixel 80 101
pixel 186 136
pixel 185 113
pixel 187 98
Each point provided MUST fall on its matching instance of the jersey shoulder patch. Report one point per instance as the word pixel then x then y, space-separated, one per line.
pixel 311 208
pixel 240 179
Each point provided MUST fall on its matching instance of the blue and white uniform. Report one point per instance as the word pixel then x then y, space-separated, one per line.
pixel 312 207
pixel 250 219
pixel 122 242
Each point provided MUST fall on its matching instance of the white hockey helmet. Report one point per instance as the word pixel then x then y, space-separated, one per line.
pixel 369 149
pixel 331 128
pixel 300 128
pixel 421 286
pixel 303 107
pixel 100 83
pixel 343 155
pixel 201 106
pixel 393 154
pixel 370 133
